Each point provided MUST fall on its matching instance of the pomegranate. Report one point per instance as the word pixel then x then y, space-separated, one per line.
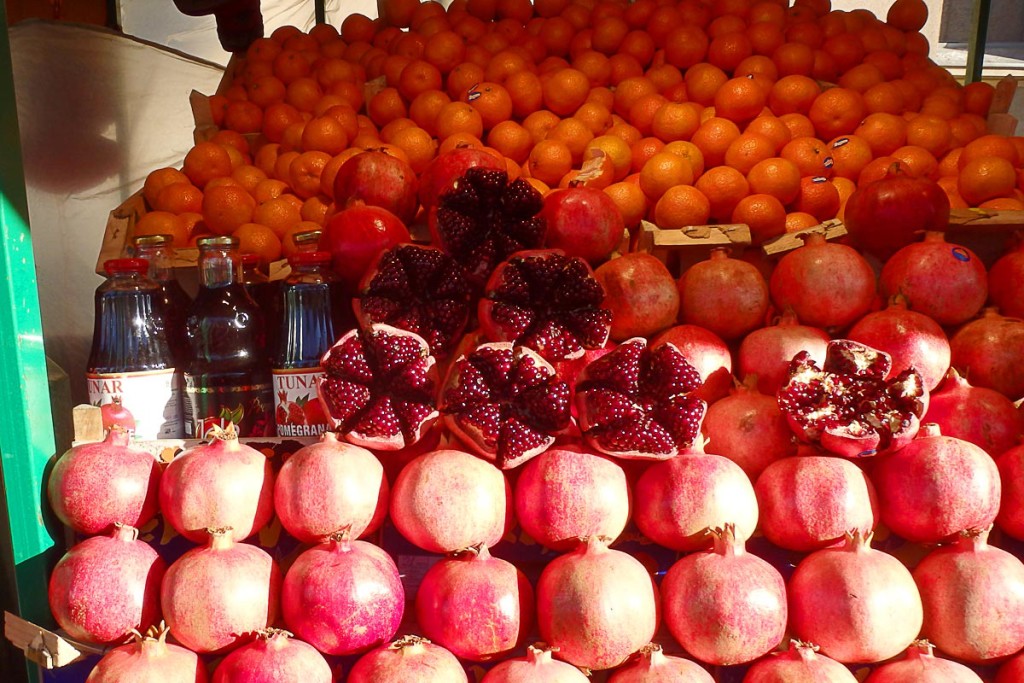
pixel 912 340
pixel 107 586
pixel 937 486
pixel 707 353
pixel 725 606
pixel 343 596
pixel 114 414
pixel 445 169
pixel 536 667
pixel 410 659
pixel 378 387
pixel 800 664
pixel 973 596
pixel 640 293
pixel 828 285
pixel 595 605
pixel 990 352
pixel 946 282
pixel 678 500
pixel 447 500
pixel 982 416
pixel 724 295
pixel 583 222
pixel 884 215
pixel 651 665
pixel 149 660
pixel 848 406
pixel 274 657
pixel 636 402
pixel 1005 280
pixel 356 234
pixel 1011 475
pixel 922 666
pixel 767 352
pixel 748 428
pixel 329 486
pixel 857 603
pixel 569 493
pixel 379 179
pixel 221 484
pixel 809 503
pixel 1012 671
pixel 95 485
pixel 213 594
pixel 460 595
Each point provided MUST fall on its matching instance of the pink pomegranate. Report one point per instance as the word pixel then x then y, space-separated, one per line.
pixel 356 234
pixel 221 484
pixel 1005 280
pixel 990 352
pixel 1012 671
pixel 378 179
pixel 410 659
pixel 725 606
pixel 982 416
pixel 107 586
pixel 329 486
pixel 748 428
pixel 724 295
pixel 651 665
pixel 973 596
pixel 828 285
pixel 800 664
pixel 213 595
pixel 566 494
pixel 1011 475
pixel 705 351
pixel 445 168
pixel 677 500
pixel 459 594
pixel 922 666
pixel 597 606
pixel 536 667
pixel 149 660
pixel 274 657
pixel 95 485
pixel 343 596
pixel 809 503
pixel 114 414
pixel 858 604
pixel 944 281
pixel 767 352
pixel 936 487
pixel 912 339
pixel 641 294
pixel 584 222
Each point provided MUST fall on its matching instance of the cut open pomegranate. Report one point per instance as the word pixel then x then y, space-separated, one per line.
pixel 847 405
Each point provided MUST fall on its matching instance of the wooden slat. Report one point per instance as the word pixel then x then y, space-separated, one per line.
pixel 658 241
pixel 43 647
pixel 984 220
pixel 793 240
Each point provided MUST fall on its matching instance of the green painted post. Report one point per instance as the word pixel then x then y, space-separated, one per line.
pixel 26 423
pixel 976 40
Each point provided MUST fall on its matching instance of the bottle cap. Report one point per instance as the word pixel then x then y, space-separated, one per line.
pixel 217 242
pixel 152 240
pixel 306 258
pixel 126 265
pixel 307 238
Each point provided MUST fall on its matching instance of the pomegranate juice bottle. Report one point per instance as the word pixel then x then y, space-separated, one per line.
pixel 158 251
pixel 227 377
pixel 130 359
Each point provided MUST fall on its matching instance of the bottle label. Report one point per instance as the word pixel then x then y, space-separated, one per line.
pixel 297 408
pixel 249 407
pixel 153 398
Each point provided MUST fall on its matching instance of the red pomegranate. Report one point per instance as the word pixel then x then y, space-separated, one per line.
pixel 706 352
pixel 921 665
pixel 724 295
pixel 767 352
pixel 859 604
pixel 1005 280
pixel 583 221
pixel 982 416
pixel 106 587
pixel 445 168
pixel 95 485
pixel 1011 475
pixel 114 414
pixel 1012 671
pixel 641 294
pixel 596 605
pixel 651 665
pixel 378 179
pixel 800 664
pixel 410 659
pixel 990 352
pixel 150 659
pixel 356 235
pixel 536 667
pixel 274 657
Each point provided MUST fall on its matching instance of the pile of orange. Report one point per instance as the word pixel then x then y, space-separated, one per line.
pixel 683 111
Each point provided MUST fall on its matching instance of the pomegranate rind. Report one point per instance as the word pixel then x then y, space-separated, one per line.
pixel 379 386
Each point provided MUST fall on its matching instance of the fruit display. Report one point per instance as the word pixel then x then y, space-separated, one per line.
pixel 553 455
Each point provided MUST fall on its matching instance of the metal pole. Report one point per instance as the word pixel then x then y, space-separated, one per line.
pixel 976 40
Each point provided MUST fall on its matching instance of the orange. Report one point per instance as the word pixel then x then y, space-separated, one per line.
pixel 206 161
pixel 248 176
pixel 845 50
pixel 277 214
pixel 685 45
pixel 688 151
pixel 526 91
pixel 616 150
pixel 740 99
pixel 918 161
pixel 425 108
pixel 986 178
pixel 861 77
pixel 179 198
pixel 457 141
pixel 459 117
pixel 930 132
pixel 644 149
pixel 799 125
pixel 949 185
pixel 884 132
pixel 226 207
pixel 324 134
pixel 949 166
pixel 809 155
pixel 416 77
pixel 625 131
pixel 304 172
pixel 269 189
pixel 724 187
pixel 388 132
pixel 574 134
pixel 492 101
pixel 563 91
pixel 512 140
pixel 800 220
pixel 662 171
pixel 765 215
pixel 747 150
pixel 641 114
pixel 303 93
pixel 978 97
pixel 539 123
pixel 675 121
pixel 907 15
pixel 772 128
pixel 728 50
pixel 794 59
pixel 159 179
pixel 681 206
pixel 277 118
pixel 775 176
pixel 713 139
pixel 836 111
pixel 630 200
pixel 631 90
pixel 387 105
pixel 818 197
pixel 765 37
pixel 254 238
pixel 850 154
pixel 989 145
pixel 608 34
pixel 703 81
pixel 244 117
pixel 845 187
pixel 549 160
pixel 757 65
pixel 595 116
pixel 163 223
pixel 1003 204
pixel 876 170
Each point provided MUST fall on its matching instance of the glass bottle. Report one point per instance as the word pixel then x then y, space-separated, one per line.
pixel 131 359
pixel 158 250
pixel 227 377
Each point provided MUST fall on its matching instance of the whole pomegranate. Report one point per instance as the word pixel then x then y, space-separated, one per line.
pixel 410 659
pixel 596 605
pixel 1012 671
pixel 1005 280
pixel 982 416
pixel 356 235
pixel 767 352
pixel 651 665
pixel 536 667
pixel 887 214
pixel 378 179
pixel 990 351
pixel 583 221
pixel 96 485
pixel 800 664
pixel 859 604
pixel 725 295
pixel 107 586
pixel 1011 475
pixel 973 596
pixel 274 657
pixel 640 293
pixel 922 666
pixel 706 352
pixel 114 414
pixel 149 660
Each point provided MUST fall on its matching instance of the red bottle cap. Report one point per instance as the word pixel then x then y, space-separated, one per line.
pixel 305 258
pixel 126 265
